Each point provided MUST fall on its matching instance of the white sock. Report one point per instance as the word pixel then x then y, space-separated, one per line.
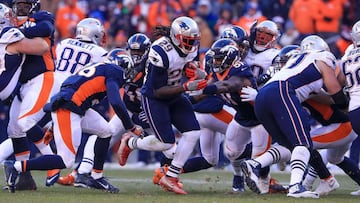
pixel 275 154
pixel 87 161
pixel 150 143
pixel 6 149
pixel 299 160
pixel 185 147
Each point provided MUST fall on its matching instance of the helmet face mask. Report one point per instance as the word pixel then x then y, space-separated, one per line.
pixel 266 35
pixel 355 34
pixel 185 34
pixel 23 8
pixel 121 57
pixel 224 53
pixel 90 30
pixel 139 45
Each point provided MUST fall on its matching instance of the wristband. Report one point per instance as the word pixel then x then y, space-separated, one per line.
pixel 340 99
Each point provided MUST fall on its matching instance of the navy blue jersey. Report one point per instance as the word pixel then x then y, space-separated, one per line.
pixel 132 90
pixel 88 86
pixel 40 24
pixel 245 114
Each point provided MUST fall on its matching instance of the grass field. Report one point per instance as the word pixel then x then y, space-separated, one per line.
pixel 212 186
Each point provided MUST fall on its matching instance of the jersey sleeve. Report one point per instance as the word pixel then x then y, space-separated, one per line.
pixel 328 58
pixel 158 57
pixel 10 35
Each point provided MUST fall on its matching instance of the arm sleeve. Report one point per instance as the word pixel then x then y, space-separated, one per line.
pixel 117 104
pixel 42 29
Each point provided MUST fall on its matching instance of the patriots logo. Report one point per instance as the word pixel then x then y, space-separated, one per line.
pixel 183 26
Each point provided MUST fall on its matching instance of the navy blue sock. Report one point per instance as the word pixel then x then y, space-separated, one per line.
pixel 351 169
pixel 165 161
pixel 20 145
pixel 101 149
pixel 318 164
pixel 196 164
pixel 35 134
pixel 45 162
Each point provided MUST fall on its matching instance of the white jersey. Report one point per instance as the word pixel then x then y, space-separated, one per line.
pixel 350 65
pixel 73 54
pixel 10 64
pixel 260 62
pixel 303 74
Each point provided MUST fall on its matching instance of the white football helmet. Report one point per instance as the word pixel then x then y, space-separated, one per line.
pixel 355 34
pixel 90 30
pixel 185 34
pixel 313 43
pixel 266 35
pixel 7 17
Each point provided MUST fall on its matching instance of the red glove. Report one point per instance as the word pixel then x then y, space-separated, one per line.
pixel 192 85
pixel 192 70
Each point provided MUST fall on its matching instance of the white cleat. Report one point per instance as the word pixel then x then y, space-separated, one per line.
pixel 355 193
pixel 298 191
pixel 326 186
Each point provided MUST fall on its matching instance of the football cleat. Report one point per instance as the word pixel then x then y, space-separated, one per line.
pixel 69 179
pixel 238 184
pixel 251 168
pixel 103 184
pixel 52 177
pixel 171 184
pixel 124 150
pixel 276 187
pixel 11 174
pixel 326 186
pixel 298 191
pixel 84 180
pixel 26 182
pixel 159 173
pixel 355 193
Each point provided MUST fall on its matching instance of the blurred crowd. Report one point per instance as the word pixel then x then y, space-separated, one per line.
pixel 331 19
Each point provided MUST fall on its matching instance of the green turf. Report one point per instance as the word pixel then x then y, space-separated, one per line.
pixel 136 186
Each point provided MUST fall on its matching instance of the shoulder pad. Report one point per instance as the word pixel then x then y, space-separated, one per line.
pixel 328 58
pixel 155 58
pixel 11 35
pixel 43 15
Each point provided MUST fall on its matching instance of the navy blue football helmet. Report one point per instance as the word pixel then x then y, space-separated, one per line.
pixel 239 35
pixel 138 45
pixel 283 56
pixel 225 53
pixel 121 57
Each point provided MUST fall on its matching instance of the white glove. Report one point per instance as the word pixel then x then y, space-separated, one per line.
pixel 248 94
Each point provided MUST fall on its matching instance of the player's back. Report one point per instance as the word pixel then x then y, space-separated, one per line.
pixel 350 67
pixel 88 86
pixel 73 54
pixel 302 73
